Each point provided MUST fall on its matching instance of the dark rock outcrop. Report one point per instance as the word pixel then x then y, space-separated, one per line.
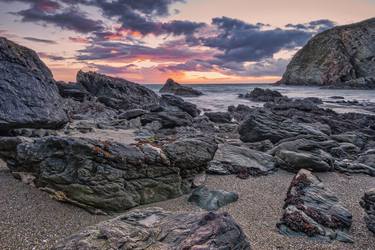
pixel 261 125
pixel 311 210
pixel 239 160
pixel 342 57
pixel 212 200
pixel 29 97
pixel 368 203
pixel 175 103
pixel 173 87
pixel 73 90
pixel 155 228
pixel 108 176
pixel 262 95
pixel 219 117
pixel 117 93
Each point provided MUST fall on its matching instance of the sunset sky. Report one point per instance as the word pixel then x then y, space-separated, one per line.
pixel 192 41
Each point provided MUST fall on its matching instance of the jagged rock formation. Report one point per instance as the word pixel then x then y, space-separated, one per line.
pixel 173 87
pixel 342 57
pixel 368 203
pixel 29 97
pixel 104 176
pixel 73 90
pixel 117 93
pixel 311 210
pixel 155 228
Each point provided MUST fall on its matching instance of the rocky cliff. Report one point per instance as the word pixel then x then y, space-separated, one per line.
pixel 342 57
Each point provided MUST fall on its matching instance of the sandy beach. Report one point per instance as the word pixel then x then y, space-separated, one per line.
pixel 30 219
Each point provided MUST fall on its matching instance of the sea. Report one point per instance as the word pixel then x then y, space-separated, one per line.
pixel 217 97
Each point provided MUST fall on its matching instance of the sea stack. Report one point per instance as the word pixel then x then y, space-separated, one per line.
pixel 342 57
pixel 175 88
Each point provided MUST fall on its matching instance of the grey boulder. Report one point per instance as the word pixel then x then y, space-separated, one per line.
pixel 154 228
pixel 103 176
pixel 117 93
pixel 29 97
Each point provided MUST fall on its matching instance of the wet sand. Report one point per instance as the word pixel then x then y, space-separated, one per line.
pixel 30 219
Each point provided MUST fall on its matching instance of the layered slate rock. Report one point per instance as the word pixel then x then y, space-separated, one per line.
pixel 262 95
pixel 155 228
pixel 175 88
pixel 29 97
pixel 339 57
pixel 312 210
pixel 261 125
pixel 368 204
pixel 175 103
pixel 211 200
pixel 73 90
pixel 104 176
pixel 219 117
pixel 117 93
pixel 191 155
pixel 295 154
pixel 242 161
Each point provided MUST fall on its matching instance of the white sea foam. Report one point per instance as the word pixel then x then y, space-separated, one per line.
pixel 219 96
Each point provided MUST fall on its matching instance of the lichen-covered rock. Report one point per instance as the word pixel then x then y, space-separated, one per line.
pixel 173 87
pixel 104 176
pixel 311 210
pixel 342 56
pixel 212 199
pixel 368 203
pixel 239 160
pixel 117 93
pixel 154 228
pixel 29 97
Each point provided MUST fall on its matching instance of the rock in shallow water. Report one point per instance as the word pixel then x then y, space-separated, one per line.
pixel 212 199
pixel 155 228
pixel 29 96
pixel 311 210
pixel 262 95
pixel 368 203
pixel 173 87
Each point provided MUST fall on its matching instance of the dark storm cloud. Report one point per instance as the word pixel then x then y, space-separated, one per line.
pixel 317 26
pixel 33 39
pixel 52 12
pixel 71 19
pixel 127 52
pixel 243 42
